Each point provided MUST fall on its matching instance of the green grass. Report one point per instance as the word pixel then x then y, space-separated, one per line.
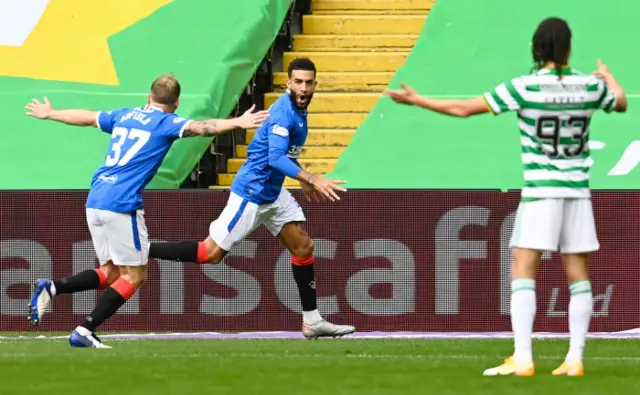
pixel 341 366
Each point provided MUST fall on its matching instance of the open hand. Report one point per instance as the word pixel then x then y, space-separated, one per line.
pixel 406 95
pixel 327 188
pixel 253 120
pixel 39 110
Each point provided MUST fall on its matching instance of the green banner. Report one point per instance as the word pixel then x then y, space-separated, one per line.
pixel 466 48
pixel 103 55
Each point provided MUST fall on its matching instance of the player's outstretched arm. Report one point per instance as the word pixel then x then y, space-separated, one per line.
pixel 70 117
pixel 454 108
pixel 604 74
pixel 213 127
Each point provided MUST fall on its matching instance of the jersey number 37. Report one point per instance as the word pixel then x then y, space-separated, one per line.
pixel 126 144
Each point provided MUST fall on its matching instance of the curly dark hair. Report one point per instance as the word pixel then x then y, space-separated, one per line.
pixel 552 43
pixel 301 64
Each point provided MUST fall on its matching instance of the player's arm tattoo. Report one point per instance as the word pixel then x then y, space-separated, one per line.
pixel 205 128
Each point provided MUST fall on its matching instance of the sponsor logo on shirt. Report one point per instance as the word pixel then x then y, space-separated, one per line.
pixel 280 131
pixel 108 179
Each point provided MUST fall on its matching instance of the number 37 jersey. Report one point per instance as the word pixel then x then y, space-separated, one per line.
pixel 140 139
pixel 553 117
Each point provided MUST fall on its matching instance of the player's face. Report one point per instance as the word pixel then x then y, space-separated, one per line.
pixel 301 85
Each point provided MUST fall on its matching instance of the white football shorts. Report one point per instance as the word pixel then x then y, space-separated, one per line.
pixel 119 237
pixel 241 217
pixel 547 224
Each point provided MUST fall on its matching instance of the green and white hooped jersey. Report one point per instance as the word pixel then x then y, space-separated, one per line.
pixel 553 116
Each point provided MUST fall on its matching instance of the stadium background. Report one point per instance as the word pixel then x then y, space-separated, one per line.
pixel 419 243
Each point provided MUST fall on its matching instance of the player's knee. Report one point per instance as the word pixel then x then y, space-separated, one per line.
pixel 113 276
pixel 304 249
pixel 215 256
pixel 111 272
pixel 576 267
pixel 137 276
pixel 525 262
pixel 209 252
pixel 137 281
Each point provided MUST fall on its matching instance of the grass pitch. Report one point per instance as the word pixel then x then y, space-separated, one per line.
pixel 328 367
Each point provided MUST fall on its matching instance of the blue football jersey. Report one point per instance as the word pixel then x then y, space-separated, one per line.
pixel 283 133
pixel 140 139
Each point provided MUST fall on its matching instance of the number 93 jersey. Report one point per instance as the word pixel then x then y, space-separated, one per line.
pixel 140 139
pixel 553 117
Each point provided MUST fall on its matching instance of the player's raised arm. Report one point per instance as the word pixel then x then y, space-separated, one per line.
pixel 618 102
pixel 75 117
pixel 454 108
pixel 212 127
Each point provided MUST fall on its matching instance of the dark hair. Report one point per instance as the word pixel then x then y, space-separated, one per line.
pixel 302 64
pixel 165 90
pixel 552 43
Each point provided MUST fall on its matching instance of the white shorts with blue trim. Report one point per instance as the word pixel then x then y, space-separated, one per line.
pixel 121 238
pixel 241 217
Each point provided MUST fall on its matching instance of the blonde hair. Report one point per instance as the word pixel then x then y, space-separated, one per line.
pixel 165 90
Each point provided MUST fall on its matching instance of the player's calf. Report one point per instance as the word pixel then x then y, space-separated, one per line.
pixel 313 324
pixel 85 280
pixel 45 290
pixel 301 247
pixel 130 280
pixel 135 275
pixel 188 251
pixel 580 310
pixel 523 302
pixel 304 276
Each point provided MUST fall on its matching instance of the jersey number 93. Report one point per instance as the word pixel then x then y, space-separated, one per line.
pixel 548 130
